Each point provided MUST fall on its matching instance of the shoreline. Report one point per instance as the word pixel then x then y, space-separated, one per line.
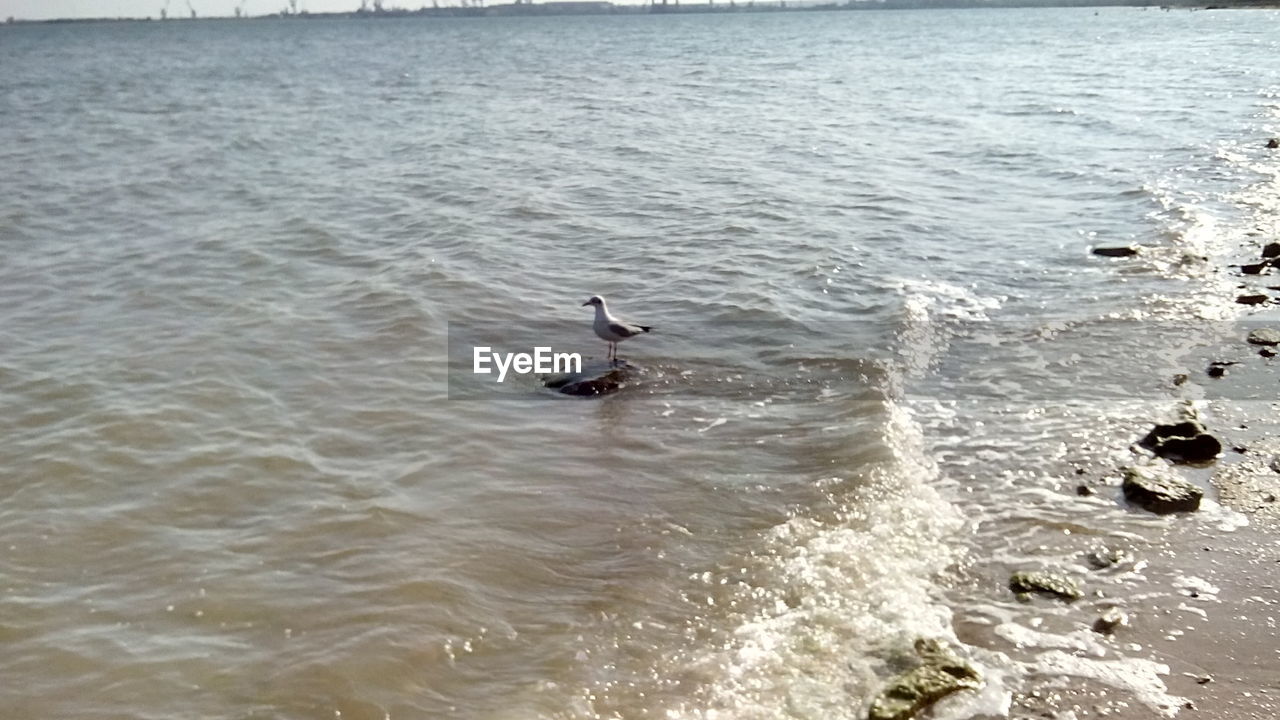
pixel 1240 647
pixel 1203 595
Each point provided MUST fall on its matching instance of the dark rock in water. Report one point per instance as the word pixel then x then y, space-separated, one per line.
pixel 1045 583
pixel 1115 251
pixel 1273 143
pixel 1186 428
pixel 940 673
pixel 1218 368
pixel 1109 621
pixel 1267 352
pixel 590 387
pixel 1271 250
pixel 1160 492
pixel 1084 490
pixel 1181 379
pixel 594 380
pixel 1184 442
pixel 1254 268
pixel 1252 299
pixel 1265 336
pixel 1202 448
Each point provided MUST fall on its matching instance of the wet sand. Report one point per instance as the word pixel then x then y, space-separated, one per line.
pixel 1205 601
pixel 1238 645
pixel 1216 632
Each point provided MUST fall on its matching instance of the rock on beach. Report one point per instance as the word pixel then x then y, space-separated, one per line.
pixel 1045 583
pixel 939 674
pixel 1183 442
pixel 1159 491
pixel 594 380
pixel 1115 251
pixel 1104 557
pixel 1265 336
pixel 1109 621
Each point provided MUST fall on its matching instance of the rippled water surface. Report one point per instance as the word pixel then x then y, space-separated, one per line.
pixel 235 481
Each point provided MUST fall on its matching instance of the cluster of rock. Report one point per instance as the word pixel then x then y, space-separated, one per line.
pixel 1153 483
pixel 1153 486
pixel 1270 259
pixel 1182 442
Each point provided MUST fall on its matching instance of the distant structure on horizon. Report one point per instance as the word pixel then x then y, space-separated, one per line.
pixel 478 8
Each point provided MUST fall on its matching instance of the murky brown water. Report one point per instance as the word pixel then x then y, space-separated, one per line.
pixel 238 480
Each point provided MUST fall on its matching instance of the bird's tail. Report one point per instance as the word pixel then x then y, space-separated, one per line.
pixel 645 328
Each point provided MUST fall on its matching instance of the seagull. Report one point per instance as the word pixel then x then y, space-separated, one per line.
pixel 611 329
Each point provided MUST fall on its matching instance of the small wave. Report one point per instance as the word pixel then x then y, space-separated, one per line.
pixel 526 211
pixel 839 599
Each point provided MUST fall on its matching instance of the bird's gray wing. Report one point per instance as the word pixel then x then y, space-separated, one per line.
pixel 625 330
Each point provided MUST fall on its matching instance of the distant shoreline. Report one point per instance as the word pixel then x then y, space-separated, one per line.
pixel 592 7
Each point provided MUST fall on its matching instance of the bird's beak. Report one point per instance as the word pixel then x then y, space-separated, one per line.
pixel 586 303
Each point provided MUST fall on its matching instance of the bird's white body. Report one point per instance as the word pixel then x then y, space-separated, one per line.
pixel 611 329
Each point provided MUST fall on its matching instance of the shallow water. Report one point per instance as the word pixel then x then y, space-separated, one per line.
pixel 241 480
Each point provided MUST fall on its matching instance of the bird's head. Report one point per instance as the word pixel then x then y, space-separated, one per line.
pixel 595 300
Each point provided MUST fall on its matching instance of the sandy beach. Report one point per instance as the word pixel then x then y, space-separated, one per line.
pixel 1204 600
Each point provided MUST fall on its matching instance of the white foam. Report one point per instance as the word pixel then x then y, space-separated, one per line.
pixel 1193 610
pixel 1085 641
pixel 947 299
pixel 1202 588
pixel 1137 676
pixel 844 597
pixel 713 424
pixel 1227 520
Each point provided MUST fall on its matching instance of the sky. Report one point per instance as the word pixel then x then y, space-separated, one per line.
pixel 44 9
